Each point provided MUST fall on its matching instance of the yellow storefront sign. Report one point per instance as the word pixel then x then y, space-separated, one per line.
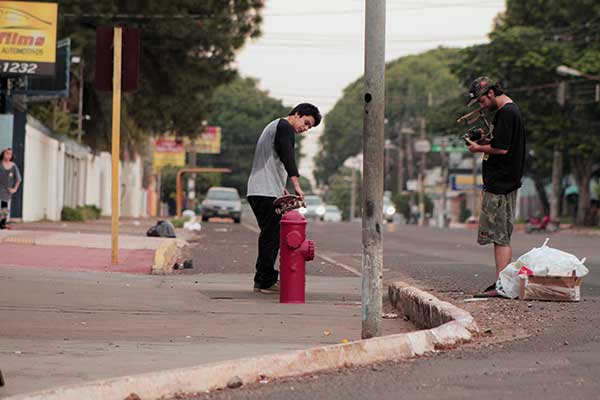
pixel 209 141
pixel 27 37
pixel 168 150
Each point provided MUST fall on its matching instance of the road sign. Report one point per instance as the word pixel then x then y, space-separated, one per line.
pixel 422 146
pixel 27 38
pixel 104 63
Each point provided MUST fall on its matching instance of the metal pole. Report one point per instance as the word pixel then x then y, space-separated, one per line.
pixel 422 179
pixel 80 105
pixel 373 145
pixel 116 138
pixel 444 183
pixel 353 196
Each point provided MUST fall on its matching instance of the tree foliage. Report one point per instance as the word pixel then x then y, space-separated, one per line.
pixel 187 50
pixel 414 84
pixel 527 45
pixel 242 111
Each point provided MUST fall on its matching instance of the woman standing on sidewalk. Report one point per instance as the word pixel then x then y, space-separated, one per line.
pixel 10 179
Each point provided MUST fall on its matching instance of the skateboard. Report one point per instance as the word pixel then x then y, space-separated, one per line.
pixel 286 203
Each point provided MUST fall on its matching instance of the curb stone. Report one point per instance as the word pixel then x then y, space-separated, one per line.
pixel 448 327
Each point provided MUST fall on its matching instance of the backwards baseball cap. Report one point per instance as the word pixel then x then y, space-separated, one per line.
pixel 479 87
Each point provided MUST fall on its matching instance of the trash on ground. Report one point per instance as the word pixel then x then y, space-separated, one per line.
pixel 543 273
pixel 235 382
pixel 469 300
pixel 161 229
pixel 326 333
pixel 188 214
pixel 192 225
pixel 390 316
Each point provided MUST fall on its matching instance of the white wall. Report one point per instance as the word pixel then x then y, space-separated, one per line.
pixel 41 156
pixel 90 177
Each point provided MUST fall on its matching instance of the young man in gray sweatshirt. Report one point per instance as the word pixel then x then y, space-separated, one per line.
pixel 275 161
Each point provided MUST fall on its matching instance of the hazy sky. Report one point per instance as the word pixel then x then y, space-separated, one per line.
pixel 311 49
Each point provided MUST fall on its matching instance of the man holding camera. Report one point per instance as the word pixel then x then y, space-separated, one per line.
pixel 502 170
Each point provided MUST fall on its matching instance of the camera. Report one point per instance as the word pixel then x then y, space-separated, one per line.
pixel 475 135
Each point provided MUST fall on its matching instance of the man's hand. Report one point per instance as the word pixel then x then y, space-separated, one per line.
pixel 12 190
pixel 285 192
pixel 299 193
pixel 472 146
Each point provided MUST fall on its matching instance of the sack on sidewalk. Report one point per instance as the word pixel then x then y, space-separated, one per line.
pixel 162 229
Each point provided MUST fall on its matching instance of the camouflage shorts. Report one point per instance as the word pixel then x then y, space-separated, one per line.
pixel 497 218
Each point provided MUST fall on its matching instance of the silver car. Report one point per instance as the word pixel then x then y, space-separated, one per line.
pixel 222 202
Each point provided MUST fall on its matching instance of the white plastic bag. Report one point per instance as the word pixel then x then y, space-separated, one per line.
pixel 546 261
pixel 508 282
pixel 541 261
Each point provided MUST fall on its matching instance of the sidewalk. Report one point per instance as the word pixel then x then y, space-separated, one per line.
pixel 66 321
pixel 61 327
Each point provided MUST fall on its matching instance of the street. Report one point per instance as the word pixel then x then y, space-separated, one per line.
pixel 57 320
pixel 536 350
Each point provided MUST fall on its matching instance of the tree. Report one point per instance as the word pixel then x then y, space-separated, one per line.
pixel 527 45
pixel 187 50
pixel 413 83
pixel 242 111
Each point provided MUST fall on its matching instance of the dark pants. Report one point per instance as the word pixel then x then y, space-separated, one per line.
pixel 3 213
pixel 268 240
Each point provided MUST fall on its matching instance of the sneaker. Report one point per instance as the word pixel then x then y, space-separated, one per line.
pixel 272 289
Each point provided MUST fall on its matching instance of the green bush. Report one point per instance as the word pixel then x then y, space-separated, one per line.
pixel 80 213
pixel 178 222
pixel 71 214
pixel 90 211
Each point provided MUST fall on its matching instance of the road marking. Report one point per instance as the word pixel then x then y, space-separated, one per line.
pixel 339 264
pixel 326 258
pixel 251 228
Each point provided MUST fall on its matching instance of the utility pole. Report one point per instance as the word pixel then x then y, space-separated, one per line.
pixel 422 178
pixel 373 147
pixel 401 174
pixel 444 158
pixel 80 103
pixel 353 195
pixel 557 164
pixel 191 184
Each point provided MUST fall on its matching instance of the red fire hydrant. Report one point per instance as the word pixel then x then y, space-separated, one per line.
pixel 294 250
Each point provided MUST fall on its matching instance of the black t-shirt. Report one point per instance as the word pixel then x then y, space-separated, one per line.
pixel 285 143
pixel 502 173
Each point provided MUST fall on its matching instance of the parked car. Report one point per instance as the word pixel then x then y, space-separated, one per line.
pixel 332 214
pixel 222 202
pixel 315 208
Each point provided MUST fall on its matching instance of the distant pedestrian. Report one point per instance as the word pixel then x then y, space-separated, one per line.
pixel 502 170
pixel 275 161
pixel 10 179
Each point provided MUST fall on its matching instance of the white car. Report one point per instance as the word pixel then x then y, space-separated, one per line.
pixel 332 214
pixel 315 208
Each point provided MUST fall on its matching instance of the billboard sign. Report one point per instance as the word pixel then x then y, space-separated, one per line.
pixel 27 38
pixel 168 150
pixel 209 141
pixel 459 182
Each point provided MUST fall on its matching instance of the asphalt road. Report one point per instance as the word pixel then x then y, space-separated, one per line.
pixel 534 350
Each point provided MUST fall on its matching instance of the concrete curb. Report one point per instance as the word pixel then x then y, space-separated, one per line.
pixel 454 327
pixel 427 311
